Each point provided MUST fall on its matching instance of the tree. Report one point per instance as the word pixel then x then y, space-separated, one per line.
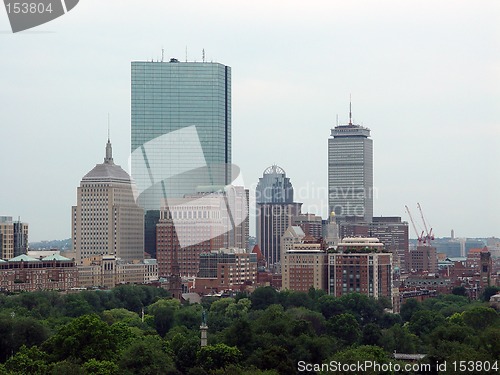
pixel 490 341
pixel 217 356
pixel 399 338
pixel 423 322
pixel 263 297
pixel 240 335
pixel 189 316
pixel 365 309
pixel 65 368
pixel 17 331
pixel 94 367
pixel 480 317
pixel 361 354
pixel 273 358
pixel 345 327
pixel 75 305
pixel 146 357
pixel 451 351
pixel 408 308
pixel 28 361
pixel 488 292
pixel 85 338
pixel 184 346
pixel 371 334
pixel 273 320
pixel 459 291
pixel 164 320
pixel 330 306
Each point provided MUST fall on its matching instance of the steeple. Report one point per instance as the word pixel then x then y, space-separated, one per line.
pixel 109 154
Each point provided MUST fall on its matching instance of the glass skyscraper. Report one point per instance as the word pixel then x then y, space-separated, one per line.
pixel 181 128
pixel 350 172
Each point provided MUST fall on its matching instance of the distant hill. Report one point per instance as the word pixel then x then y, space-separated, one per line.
pixel 52 244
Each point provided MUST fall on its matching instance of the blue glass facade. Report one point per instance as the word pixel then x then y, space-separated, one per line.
pixel 181 128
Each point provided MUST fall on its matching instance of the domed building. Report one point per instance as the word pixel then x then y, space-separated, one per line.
pixel 107 219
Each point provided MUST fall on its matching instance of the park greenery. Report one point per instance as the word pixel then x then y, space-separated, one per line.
pixel 135 329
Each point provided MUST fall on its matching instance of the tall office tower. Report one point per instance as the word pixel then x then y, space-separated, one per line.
pixel 20 238
pixel 360 265
pixel 350 171
pixel 181 128
pixel 275 211
pixel 106 219
pixel 6 238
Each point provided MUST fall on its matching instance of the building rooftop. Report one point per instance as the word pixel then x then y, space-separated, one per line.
pixel 23 258
pixel 107 171
pixel 56 257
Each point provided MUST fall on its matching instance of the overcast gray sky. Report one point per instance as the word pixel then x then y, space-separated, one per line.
pixel 424 77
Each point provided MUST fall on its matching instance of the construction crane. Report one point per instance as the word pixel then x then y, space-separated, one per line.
pixel 420 238
pixel 429 236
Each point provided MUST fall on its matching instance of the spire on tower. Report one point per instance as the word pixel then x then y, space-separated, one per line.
pixel 109 154
pixel 350 112
pixel 109 150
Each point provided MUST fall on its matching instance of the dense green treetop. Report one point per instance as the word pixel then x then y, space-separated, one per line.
pixel 136 329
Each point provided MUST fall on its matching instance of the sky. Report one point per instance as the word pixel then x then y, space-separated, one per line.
pixel 424 76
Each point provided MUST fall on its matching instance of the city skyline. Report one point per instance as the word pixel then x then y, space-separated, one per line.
pixel 426 86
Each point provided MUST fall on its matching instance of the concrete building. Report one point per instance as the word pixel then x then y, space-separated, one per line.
pixel 27 274
pixel 13 238
pixel 212 218
pixel 294 234
pixel 311 224
pixel 350 172
pixel 106 220
pixel 226 269
pixel 423 259
pixel 390 230
pixel 360 265
pixel 6 237
pixel 275 212
pixel 304 266
pixel 107 271
pixel 331 231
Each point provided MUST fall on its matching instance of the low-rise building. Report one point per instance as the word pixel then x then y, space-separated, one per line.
pixel 226 269
pixel 360 265
pixel 27 274
pixel 304 266
pixel 107 271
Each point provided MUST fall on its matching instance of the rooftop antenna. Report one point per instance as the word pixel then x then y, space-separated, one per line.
pixel 162 54
pixel 186 53
pixel 108 127
pixel 203 54
pixel 350 112
pixel 337 119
